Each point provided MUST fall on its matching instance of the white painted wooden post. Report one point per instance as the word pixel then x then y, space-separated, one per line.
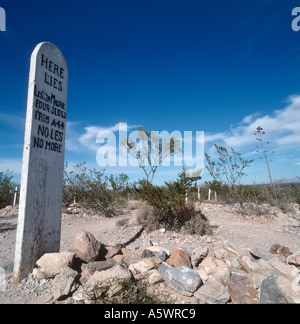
pixel 15 192
pixel 40 207
pixel 199 195
pixel 15 196
pixel 209 192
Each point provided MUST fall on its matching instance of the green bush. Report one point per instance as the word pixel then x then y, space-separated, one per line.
pixel 92 189
pixel 168 208
pixel 281 196
pixel 6 184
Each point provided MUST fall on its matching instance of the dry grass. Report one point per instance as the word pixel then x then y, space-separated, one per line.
pixel 134 204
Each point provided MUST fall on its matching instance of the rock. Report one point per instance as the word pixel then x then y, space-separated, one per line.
pixel 7 266
pixel 51 264
pixel 237 206
pixel 242 291
pixel 118 258
pixel 249 263
pixel 199 254
pixel 259 275
pixel 284 251
pixel 108 279
pixel 157 251
pixel 132 256
pixel 228 254
pixel 64 284
pixel 100 265
pixel 257 255
pixel 155 277
pixel 243 265
pixel 111 251
pixel 212 268
pixel 92 267
pixel 212 292
pixel 279 249
pixel 294 259
pixel 117 271
pixel 144 265
pixel 163 268
pixel 225 251
pixel 182 279
pixel 180 258
pixel 86 246
pixel 169 248
pixel 148 254
pixel 279 290
pixel 245 252
pixel 284 268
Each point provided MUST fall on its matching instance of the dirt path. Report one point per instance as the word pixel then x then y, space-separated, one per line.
pixel 230 226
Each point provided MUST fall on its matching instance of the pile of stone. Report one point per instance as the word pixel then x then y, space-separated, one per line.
pixel 204 274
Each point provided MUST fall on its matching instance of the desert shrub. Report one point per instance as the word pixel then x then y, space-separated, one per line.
pixel 169 196
pixel 176 219
pixel 149 217
pixel 99 196
pixel 198 224
pixel 6 184
pixel 281 196
pixel 127 291
pixel 134 204
pixel 167 208
pixel 92 189
pixel 75 184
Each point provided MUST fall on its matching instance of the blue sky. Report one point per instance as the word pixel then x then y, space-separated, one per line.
pixel 220 67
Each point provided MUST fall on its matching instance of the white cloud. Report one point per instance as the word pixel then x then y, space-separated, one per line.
pixel 86 142
pixel 282 127
pixel 88 139
pixel 214 137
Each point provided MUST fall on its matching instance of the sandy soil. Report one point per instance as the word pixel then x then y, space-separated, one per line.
pixel 231 225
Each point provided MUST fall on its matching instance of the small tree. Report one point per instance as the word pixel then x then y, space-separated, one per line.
pixel 229 168
pixel 151 151
pixel 184 183
pixel 168 206
pixel 119 184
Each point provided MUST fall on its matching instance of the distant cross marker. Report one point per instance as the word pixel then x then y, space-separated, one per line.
pixel 15 192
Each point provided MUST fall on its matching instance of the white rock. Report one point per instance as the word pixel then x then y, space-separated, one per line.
pixel 51 264
pixel 65 283
pixel 144 265
pixel 215 269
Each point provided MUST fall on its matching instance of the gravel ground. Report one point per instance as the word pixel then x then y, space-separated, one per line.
pixel 238 226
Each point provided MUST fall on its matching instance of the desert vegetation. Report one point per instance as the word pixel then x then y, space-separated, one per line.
pixel 171 205
pixel 6 184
